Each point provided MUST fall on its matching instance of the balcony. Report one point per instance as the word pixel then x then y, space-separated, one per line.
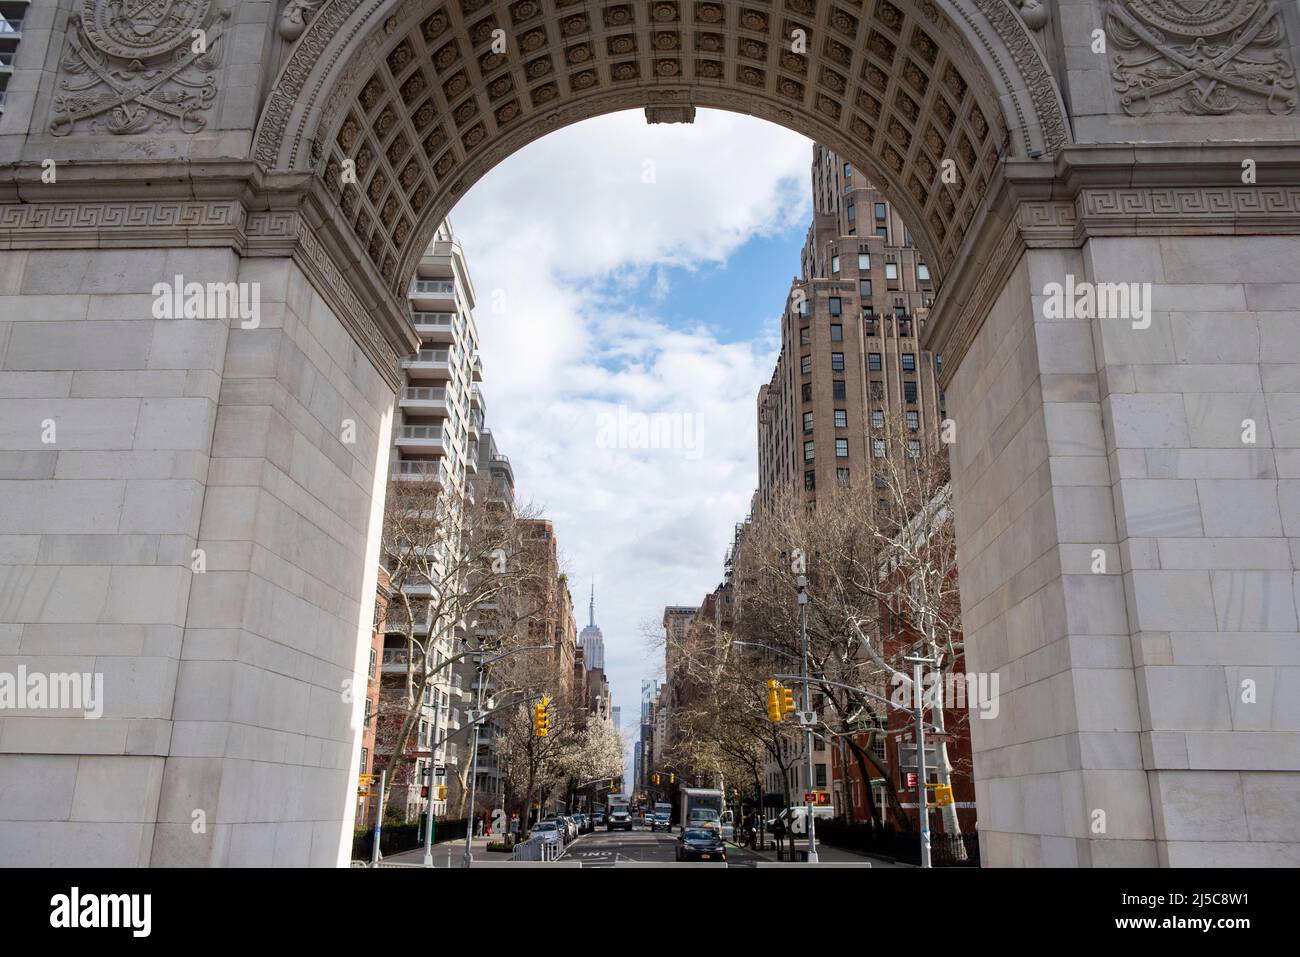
pixel 475 423
pixel 435 326
pixel 471 456
pixel 424 399
pixel 433 363
pixel 438 295
pixel 425 438
pixel 501 466
pixel 421 471
pixel 395 660
pixel 476 399
pixel 476 369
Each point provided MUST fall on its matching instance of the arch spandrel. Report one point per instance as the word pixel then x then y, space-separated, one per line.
pixel 418 99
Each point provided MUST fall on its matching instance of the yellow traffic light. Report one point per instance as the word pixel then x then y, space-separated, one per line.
pixel 672 778
pixel 541 721
pixel 773 700
pixel 612 789
pixel 440 792
pixel 656 780
pixel 787 702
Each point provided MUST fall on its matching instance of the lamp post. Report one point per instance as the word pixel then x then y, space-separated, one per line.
pixel 918 717
pixel 801 584
pixel 476 720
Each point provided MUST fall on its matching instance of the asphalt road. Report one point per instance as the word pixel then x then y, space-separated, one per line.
pixel 603 848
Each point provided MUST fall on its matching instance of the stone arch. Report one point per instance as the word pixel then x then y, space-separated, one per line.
pixel 414 95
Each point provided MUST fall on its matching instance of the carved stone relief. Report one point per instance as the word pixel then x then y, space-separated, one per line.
pixel 136 66
pixel 1203 57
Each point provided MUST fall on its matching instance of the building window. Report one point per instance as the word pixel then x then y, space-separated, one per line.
pixel 841 448
pixel 837 389
pixel 864 288
pixel 877 389
pixel 922 272
pixel 938 365
pixel 810 480
pixel 842 476
pixel 807 421
pixel 900 312
pixel 374 656
pixel 837 333
pixel 864 262
pixel 807 391
pixel 877 419
pixel 835 264
pixel 851 212
pixel 808 451
pixel 369 707
pixel 873 361
pixel 883 233
pixel 835 305
pixel 848 171
pixel 909 361
pixel 820 769
pixel 837 362
pixel 841 419
pixel 880 210
pixel 805 335
pixel 891 271
pixel 909 391
pixel 913 448
pixel 913 420
pixel 805 364
pixel 878 448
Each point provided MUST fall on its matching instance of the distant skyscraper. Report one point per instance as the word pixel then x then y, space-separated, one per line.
pixel 617 717
pixel 591 640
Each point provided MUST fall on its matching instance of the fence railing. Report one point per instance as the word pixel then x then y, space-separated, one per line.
pixel 946 850
pixel 406 836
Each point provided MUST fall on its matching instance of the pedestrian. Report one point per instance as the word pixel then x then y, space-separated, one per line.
pixel 778 833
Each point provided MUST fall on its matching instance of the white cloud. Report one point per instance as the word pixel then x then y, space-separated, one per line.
pixel 560 233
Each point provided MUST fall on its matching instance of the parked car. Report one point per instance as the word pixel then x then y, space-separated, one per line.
pixel 567 826
pixel 583 822
pixel 548 831
pixel 598 817
pixel 701 844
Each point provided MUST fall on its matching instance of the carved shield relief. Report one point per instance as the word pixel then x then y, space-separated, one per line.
pixel 1203 57
pixel 135 66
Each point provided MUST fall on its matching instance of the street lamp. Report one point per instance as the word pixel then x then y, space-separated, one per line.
pixel 799 566
pixel 476 720
pixel 918 717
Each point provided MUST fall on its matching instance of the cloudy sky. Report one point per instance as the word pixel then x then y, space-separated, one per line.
pixel 629 283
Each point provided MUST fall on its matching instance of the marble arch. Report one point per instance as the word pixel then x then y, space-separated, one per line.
pixel 1093 139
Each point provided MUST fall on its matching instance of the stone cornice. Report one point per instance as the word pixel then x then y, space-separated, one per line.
pixel 237 204
pixel 1109 191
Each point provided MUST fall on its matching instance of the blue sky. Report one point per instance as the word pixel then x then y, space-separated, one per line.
pixel 608 297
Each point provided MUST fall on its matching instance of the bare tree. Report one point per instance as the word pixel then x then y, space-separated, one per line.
pixel 446 555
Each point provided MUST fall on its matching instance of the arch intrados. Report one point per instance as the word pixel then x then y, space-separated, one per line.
pixel 370 80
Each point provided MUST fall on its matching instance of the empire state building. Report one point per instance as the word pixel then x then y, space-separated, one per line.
pixel 591 640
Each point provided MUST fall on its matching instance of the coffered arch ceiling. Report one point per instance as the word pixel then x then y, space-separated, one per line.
pixel 416 97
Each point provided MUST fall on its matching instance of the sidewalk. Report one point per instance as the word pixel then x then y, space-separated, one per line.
pixel 829 855
pixel 455 850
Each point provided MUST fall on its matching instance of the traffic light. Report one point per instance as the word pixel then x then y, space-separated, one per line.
pixel 440 792
pixel 656 780
pixel 672 778
pixel 787 702
pixel 612 789
pixel 541 721
pixel 773 700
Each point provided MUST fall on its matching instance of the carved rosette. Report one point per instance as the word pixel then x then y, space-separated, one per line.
pixel 1203 57
pixel 136 66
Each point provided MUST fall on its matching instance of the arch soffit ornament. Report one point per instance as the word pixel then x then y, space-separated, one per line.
pixel 412 94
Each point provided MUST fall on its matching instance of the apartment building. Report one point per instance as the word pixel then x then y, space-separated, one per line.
pixel 850 362
pixel 436 438
pixel 367 793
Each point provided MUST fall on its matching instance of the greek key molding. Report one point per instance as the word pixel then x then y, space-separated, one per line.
pixel 38 225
